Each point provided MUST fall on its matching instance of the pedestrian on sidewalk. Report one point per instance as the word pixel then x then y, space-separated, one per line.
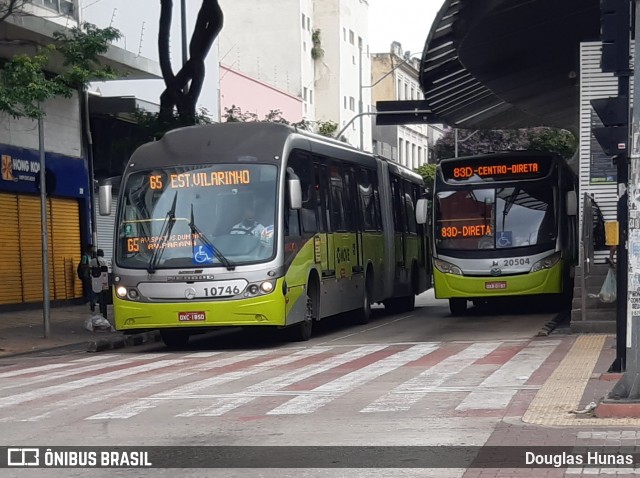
pixel 84 274
pixel 99 272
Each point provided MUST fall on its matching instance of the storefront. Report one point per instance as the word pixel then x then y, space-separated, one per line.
pixel 20 220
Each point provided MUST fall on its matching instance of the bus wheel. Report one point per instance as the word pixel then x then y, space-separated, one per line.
pixel 301 332
pixel 363 315
pixel 457 306
pixel 174 338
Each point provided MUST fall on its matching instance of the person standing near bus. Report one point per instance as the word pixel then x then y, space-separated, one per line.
pixel 99 281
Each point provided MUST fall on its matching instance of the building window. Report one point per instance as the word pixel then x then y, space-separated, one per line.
pixel 400 150
pixel 419 155
pixel 304 21
pixel 311 96
pixel 344 34
pixel 413 93
pixel 304 93
pixel 351 37
pixel 304 46
pixel 65 7
pixel 406 92
pixel 308 24
pixel 353 59
pixel 399 92
pixel 413 156
pixel 345 102
pixel 360 43
pixel 352 103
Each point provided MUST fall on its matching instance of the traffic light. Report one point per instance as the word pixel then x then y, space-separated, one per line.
pixel 615 19
pixel 614 135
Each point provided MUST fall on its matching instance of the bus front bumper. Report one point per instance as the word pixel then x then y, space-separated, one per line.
pixel 262 310
pixel 548 281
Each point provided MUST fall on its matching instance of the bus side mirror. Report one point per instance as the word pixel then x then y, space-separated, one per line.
pixel 295 194
pixel 104 199
pixel 421 211
pixel 572 203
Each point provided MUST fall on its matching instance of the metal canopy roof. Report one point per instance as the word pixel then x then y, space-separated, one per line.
pixel 507 63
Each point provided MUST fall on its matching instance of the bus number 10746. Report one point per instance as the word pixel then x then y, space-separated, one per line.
pixel 221 291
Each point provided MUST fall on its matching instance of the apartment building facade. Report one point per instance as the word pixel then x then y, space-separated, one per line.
pixel 394 76
pixel 312 50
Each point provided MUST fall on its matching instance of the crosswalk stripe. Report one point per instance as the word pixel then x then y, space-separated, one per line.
pixel 79 400
pixel 407 394
pixel 515 372
pixel 66 373
pixel 140 405
pixel 85 382
pixel 308 404
pixel 222 405
pixel 25 371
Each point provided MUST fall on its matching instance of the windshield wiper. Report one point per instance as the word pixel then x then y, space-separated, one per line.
pixel 194 229
pixel 509 203
pixel 167 226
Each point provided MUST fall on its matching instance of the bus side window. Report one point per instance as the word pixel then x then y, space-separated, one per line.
pixel 302 165
pixel 367 201
pixel 376 201
pixel 325 199
pixel 398 206
pixel 352 206
pixel 410 208
pixel 336 187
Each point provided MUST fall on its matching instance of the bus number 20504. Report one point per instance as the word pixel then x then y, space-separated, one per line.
pixel 515 262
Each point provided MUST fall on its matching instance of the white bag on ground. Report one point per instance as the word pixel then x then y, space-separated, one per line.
pixel 608 291
pixel 97 323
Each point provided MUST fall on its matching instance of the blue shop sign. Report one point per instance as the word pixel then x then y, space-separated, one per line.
pixel 66 176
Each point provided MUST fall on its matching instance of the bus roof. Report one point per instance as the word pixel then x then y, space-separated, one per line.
pixel 267 141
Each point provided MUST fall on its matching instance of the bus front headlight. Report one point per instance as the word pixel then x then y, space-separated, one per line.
pixel 447 267
pixel 121 292
pixel 547 262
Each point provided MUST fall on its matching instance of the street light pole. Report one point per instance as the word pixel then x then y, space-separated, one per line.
pixel 183 21
pixel 629 386
pixel 360 105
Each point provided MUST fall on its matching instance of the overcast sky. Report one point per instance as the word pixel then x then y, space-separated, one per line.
pixel 405 21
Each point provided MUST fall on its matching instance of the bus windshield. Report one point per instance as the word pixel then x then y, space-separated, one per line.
pixel 198 216
pixel 501 218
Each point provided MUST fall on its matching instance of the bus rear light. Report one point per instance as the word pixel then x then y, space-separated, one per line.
pixel 447 267
pixel 547 262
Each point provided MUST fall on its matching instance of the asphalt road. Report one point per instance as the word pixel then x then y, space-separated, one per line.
pixel 417 379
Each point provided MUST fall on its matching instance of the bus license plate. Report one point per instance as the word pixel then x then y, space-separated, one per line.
pixel 495 285
pixel 191 316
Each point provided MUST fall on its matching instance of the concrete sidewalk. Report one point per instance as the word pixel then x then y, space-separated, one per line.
pixel 22 331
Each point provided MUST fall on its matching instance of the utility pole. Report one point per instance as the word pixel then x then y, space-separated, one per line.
pixel 183 22
pixel 360 105
pixel 628 388
pixel 45 235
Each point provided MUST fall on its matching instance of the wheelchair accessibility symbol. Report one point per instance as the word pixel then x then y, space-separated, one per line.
pixel 203 255
pixel 505 239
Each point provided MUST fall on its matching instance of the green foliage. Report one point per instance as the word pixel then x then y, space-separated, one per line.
pixel 24 83
pixel 153 125
pixel 558 141
pixel 484 141
pixel 327 128
pixel 236 115
pixel 428 173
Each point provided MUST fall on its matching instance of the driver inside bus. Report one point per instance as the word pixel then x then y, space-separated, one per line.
pixel 249 225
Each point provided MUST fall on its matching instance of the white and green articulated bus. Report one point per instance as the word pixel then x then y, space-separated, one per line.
pixel 259 224
pixel 504 225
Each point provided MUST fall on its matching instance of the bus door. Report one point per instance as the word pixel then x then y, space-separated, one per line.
pixel 324 241
pixel 344 241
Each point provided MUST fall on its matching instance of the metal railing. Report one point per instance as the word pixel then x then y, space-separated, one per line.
pixel 586 249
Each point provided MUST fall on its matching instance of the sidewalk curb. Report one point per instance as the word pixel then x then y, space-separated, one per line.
pixel 121 342
pixel 551 325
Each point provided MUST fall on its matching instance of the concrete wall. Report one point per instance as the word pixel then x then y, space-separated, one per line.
pixel 62 132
